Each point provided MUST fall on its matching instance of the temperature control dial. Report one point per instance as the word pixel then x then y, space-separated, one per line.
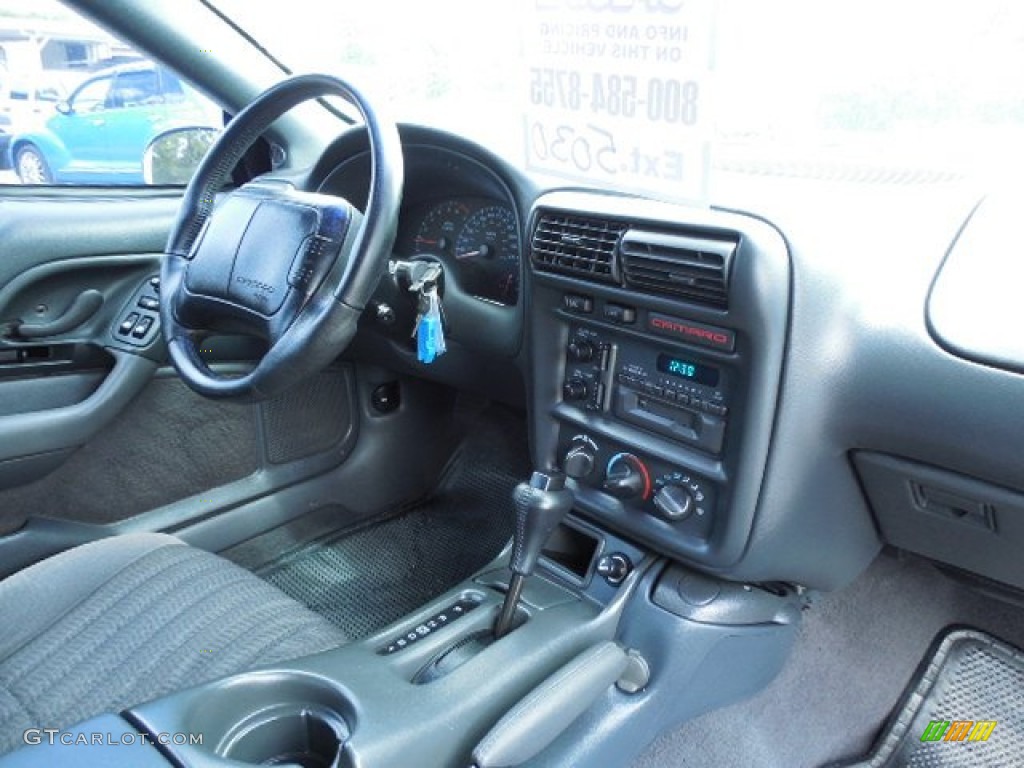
pixel 626 477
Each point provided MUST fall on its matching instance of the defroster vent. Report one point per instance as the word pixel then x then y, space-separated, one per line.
pixel 576 245
pixel 691 267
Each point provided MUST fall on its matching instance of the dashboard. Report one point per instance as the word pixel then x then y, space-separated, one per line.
pixel 736 388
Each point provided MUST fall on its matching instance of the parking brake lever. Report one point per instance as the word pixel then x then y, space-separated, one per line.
pixel 540 506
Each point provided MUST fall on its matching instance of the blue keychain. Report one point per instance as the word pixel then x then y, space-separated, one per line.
pixel 430 343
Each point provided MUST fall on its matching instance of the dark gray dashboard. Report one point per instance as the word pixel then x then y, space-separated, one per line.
pixel 798 495
pixel 834 363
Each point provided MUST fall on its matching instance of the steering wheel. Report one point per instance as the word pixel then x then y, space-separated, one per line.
pixel 291 267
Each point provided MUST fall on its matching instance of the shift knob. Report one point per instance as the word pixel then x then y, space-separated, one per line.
pixel 540 506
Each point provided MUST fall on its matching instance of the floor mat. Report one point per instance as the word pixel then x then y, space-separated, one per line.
pixel 363 580
pixel 964 709
pixel 855 654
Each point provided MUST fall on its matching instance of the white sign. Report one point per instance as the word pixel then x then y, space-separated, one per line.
pixel 618 96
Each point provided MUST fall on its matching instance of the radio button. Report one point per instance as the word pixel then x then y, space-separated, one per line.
pixel 575 389
pixel 581 350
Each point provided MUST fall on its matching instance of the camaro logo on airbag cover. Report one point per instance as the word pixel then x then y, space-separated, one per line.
pixel 248 282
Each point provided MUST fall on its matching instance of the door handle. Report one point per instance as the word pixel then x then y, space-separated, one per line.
pixel 85 305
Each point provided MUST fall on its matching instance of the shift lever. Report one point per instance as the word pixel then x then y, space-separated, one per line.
pixel 540 506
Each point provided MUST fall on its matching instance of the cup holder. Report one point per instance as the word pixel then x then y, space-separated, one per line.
pixel 275 718
pixel 307 738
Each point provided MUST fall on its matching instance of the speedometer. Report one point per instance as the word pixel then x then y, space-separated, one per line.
pixel 437 232
pixel 487 255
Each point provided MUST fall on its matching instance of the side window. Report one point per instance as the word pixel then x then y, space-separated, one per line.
pixel 173 91
pixel 91 97
pixel 80 107
pixel 136 89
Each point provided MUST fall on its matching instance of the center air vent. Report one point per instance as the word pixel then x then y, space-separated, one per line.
pixel 693 268
pixel 577 245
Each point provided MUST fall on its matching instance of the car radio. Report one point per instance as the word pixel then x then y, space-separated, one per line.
pixel 676 395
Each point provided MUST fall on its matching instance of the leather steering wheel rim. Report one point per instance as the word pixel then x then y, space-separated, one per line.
pixel 326 307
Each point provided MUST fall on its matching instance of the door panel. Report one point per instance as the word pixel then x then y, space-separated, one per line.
pixel 97 434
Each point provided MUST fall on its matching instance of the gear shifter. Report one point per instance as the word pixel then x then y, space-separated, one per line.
pixel 540 506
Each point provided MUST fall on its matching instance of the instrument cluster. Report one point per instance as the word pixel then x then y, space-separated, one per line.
pixel 476 238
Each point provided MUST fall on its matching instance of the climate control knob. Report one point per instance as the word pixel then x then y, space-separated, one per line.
pixel 674 502
pixel 626 477
pixel 575 389
pixel 579 462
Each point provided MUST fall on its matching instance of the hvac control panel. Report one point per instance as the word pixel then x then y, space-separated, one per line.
pixel 644 485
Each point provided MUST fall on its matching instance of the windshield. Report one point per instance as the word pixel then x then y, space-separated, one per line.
pixel 793 87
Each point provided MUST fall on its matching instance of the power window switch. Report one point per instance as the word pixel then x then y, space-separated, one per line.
pixel 142 327
pixel 128 323
pixel 151 303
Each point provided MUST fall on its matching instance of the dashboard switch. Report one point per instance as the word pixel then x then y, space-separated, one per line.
pixel 575 302
pixel 618 313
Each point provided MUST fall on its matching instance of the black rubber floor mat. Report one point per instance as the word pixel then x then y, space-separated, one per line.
pixel 963 709
pixel 363 580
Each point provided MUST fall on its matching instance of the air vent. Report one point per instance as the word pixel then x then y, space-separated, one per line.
pixel 577 245
pixel 693 268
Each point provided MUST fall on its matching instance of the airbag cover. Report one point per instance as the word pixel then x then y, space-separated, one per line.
pixel 247 251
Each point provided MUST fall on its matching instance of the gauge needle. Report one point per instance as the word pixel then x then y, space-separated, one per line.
pixel 426 240
pixel 468 255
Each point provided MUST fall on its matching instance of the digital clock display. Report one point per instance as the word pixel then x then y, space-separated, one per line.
pixel 682 368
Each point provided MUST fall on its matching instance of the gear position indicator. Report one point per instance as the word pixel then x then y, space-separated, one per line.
pixel 438 621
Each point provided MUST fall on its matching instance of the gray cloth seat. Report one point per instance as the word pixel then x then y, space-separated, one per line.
pixel 116 622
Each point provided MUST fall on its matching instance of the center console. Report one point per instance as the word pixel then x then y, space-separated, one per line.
pixel 658 335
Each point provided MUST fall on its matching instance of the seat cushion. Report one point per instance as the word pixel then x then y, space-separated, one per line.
pixel 126 619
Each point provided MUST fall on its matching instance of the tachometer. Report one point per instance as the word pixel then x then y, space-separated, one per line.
pixel 487 255
pixel 440 227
